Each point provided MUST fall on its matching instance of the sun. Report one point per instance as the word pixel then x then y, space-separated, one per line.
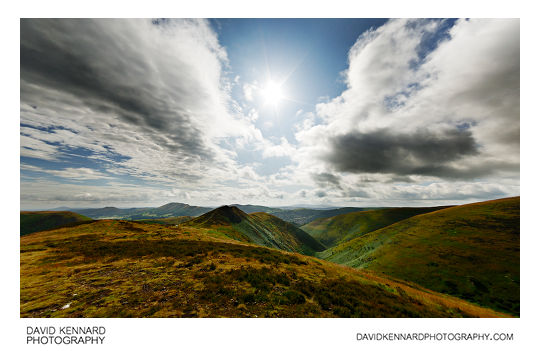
pixel 272 93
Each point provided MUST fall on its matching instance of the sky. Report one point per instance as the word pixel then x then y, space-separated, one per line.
pixel 276 112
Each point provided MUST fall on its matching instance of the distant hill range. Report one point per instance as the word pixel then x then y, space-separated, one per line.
pixel 173 209
pixel 258 228
pixel 298 216
pixel 469 251
pixel 37 221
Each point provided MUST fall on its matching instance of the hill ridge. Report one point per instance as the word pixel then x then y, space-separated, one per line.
pixel 259 228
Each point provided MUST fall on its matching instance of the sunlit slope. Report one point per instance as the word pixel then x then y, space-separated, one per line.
pixel 334 230
pixel 258 228
pixel 36 221
pixel 469 251
pixel 114 268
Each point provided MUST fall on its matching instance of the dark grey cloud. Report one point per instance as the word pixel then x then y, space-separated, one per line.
pixel 355 193
pixel 320 193
pixel 418 153
pixel 327 180
pixel 112 68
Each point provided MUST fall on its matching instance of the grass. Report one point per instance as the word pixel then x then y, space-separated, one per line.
pixel 469 251
pixel 114 268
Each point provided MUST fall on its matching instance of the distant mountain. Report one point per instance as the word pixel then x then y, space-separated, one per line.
pixel 110 212
pixel 175 209
pixel 61 208
pixel 255 208
pixel 37 221
pixel 172 209
pixel 469 251
pixel 258 228
pixel 344 227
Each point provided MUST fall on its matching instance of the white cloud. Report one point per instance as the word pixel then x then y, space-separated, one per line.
pixel 153 94
pixel 466 89
pixel 284 148
pixel 75 174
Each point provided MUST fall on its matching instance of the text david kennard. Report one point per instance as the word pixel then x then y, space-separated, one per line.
pixel 65 335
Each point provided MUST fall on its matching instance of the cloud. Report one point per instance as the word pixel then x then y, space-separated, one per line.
pixel 105 64
pixel 320 193
pixel 424 98
pixel 418 153
pixel 283 149
pixel 248 91
pixel 75 174
pixel 327 180
pixel 428 105
pixel 152 92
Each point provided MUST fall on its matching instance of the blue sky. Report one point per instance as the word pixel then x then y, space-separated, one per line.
pixel 356 112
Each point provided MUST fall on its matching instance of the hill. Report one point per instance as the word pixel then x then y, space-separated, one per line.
pixel 469 251
pixel 175 209
pixel 37 221
pixel 114 268
pixel 258 228
pixel 345 227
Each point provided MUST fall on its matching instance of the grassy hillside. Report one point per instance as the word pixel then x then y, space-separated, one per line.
pixel 114 268
pixel 258 228
pixel 469 251
pixel 345 227
pixel 36 221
